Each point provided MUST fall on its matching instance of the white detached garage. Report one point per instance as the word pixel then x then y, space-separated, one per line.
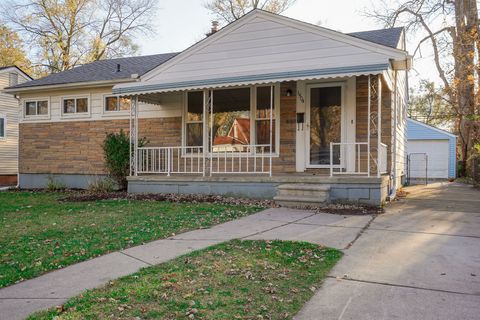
pixel 431 151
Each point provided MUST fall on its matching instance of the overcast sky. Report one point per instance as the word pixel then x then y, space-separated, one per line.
pixel 181 23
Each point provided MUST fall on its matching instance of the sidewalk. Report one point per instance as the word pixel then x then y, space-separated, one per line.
pixel 54 288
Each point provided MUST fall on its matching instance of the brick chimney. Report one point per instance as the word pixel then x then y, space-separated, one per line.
pixel 214 28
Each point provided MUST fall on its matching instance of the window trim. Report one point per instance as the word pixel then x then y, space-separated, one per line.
pixel 4 117
pixel 36 116
pixel 114 113
pixel 76 114
pixel 253 118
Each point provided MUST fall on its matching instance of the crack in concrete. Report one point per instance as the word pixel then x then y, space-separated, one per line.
pixel 359 234
pixel 424 232
pixel 280 226
pixel 135 258
pixel 405 286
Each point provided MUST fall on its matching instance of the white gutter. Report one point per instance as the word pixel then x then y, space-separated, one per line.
pixel 73 85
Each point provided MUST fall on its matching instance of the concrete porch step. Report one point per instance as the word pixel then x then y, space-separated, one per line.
pixel 302 195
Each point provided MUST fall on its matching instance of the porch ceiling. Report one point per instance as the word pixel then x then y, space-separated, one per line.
pixel 149 87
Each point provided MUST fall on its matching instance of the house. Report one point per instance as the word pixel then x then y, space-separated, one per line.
pixel 9 114
pixel 431 152
pixel 325 112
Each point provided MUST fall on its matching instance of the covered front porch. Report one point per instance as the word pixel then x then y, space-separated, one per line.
pixel 322 127
pixel 307 139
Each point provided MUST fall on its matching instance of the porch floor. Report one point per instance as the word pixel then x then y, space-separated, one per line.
pixel 296 177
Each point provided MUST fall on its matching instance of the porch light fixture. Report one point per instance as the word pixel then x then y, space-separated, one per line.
pixel 289 92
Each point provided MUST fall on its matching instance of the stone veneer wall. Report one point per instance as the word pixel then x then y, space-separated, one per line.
pixel 75 147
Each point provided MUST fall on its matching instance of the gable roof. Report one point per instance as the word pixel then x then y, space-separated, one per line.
pixel 26 75
pixel 381 42
pixel 388 37
pixel 102 70
pixel 414 134
pixel 263 47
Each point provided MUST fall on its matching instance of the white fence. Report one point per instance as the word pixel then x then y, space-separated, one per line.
pixel 245 159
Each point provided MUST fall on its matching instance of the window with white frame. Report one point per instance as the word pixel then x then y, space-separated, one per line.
pixel 36 108
pixel 114 103
pixel 3 126
pixel 75 105
pixel 239 118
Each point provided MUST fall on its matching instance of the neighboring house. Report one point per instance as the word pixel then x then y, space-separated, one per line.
pixel 9 114
pixel 432 152
pixel 312 97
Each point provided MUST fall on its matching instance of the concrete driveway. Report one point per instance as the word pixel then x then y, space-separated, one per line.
pixel 420 260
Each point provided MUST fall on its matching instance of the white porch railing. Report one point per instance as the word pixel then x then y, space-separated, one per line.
pixel 249 159
pixel 353 158
pixel 168 160
pixel 245 159
pixel 382 166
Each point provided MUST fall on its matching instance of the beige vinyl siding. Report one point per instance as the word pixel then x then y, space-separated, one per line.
pixel 263 46
pixel 171 105
pixel 401 126
pixel 9 147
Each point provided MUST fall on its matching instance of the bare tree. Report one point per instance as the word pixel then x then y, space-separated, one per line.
pixel 64 33
pixel 451 28
pixel 428 104
pixel 231 10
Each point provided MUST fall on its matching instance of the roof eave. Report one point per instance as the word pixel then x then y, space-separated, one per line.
pixel 341 72
pixel 73 85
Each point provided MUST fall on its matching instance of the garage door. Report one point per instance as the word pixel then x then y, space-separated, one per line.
pixel 438 157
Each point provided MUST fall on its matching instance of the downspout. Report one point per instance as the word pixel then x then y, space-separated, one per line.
pixel 393 175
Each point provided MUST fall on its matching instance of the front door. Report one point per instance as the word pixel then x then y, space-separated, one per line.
pixel 324 119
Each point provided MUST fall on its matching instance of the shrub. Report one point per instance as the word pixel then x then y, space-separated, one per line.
pixel 55 185
pixel 102 185
pixel 116 148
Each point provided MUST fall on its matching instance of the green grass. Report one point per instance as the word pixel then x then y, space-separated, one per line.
pixel 233 280
pixel 38 233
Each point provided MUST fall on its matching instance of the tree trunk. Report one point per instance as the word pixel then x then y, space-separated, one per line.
pixel 466 17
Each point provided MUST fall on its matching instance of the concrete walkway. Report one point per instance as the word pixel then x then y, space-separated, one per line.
pixel 52 289
pixel 420 260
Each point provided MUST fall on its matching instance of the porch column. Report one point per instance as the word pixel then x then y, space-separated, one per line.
pixel 130 135
pixel 272 92
pixel 379 124
pixel 133 135
pixel 368 124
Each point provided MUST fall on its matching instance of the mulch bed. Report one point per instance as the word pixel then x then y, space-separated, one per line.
pixel 332 208
pixel 76 195
pixel 183 198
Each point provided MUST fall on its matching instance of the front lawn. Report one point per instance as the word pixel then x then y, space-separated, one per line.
pixel 233 280
pixel 38 233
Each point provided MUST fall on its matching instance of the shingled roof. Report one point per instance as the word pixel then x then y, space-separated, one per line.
pixel 387 37
pixel 105 70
